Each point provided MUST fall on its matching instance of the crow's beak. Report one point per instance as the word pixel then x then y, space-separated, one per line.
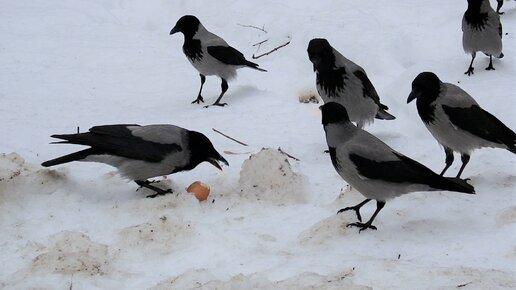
pixel 174 30
pixel 413 95
pixel 215 162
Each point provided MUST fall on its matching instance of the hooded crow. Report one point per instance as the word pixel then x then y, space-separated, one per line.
pixel 210 54
pixel 377 171
pixel 142 152
pixel 456 120
pixel 340 80
pixel 481 31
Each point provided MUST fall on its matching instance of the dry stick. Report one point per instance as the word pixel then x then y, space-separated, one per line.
pixel 71 283
pixel 252 26
pixel 241 143
pixel 288 155
pixel 267 53
pixel 263 41
pixel 463 285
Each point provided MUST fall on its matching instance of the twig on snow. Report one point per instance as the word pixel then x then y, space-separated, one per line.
pixel 273 50
pixel 239 142
pixel 255 27
pixel 463 285
pixel 71 283
pixel 288 155
pixel 236 153
pixel 259 43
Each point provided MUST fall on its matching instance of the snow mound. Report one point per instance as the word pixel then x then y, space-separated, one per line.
pixel 160 236
pixel 202 279
pixel 18 176
pixel 326 230
pixel 12 166
pixel 73 252
pixel 267 175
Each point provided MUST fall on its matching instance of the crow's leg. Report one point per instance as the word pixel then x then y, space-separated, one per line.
pixel 449 159
pixel 498 6
pixel 224 86
pixel 146 184
pixel 471 68
pixel 356 208
pixel 490 66
pixel 368 224
pixel 199 97
pixel 465 159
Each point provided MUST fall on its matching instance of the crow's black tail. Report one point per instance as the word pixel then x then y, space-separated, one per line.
pixel 253 65
pixel 384 115
pixel 70 157
pixel 510 140
pixel 457 184
pixel 512 148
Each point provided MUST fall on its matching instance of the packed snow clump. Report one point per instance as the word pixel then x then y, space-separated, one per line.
pixel 202 279
pixel 73 252
pixel 158 236
pixel 18 176
pixel 267 175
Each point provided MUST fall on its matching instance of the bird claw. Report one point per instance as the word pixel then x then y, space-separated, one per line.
pixel 490 67
pixel 159 193
pixel 357 211
pixel 362 226
pixel 198 100
pixel 469 72
pixel 217 104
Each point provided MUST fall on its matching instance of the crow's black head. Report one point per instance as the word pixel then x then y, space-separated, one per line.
pixel 333 113
pixel 201 149
pixel 475 3
pixel 321 54
pixel 188 25
pixel 427 85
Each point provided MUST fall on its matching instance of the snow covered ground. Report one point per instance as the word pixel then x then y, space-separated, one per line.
pixel 78 63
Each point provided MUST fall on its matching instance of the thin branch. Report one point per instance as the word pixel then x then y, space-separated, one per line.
pixel 288 155
pixel 252 26
pixel 241 143
pixel 269 52
pixel 259 43
pixel 236 153
pixel 71 283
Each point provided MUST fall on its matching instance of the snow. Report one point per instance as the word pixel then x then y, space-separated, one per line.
pixel 268 176
pixel 80 63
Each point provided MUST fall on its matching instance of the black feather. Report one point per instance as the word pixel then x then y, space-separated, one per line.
pixel 405 170
pixel 71 157
pixel 474 17
pixel 334 159
pixel 332 81
pixel 192 49
pixel 118 140
pixel 368 88
pixel 481 123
